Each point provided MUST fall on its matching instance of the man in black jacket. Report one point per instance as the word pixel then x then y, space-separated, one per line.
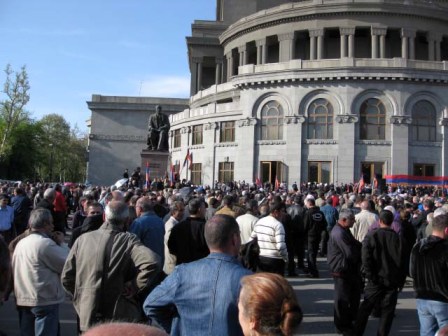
pixel 344 259
pixel 385 270
pixel 429 268
pixel 315 223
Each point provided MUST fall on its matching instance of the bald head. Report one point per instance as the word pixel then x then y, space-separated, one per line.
pixel 365 205
pixel 124 329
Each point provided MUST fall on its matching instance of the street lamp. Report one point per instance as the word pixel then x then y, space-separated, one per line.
pixel 51 162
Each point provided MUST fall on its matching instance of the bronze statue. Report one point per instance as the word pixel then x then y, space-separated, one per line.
pixel 158 127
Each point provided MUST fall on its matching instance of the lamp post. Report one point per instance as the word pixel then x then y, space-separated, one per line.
pixel 51 162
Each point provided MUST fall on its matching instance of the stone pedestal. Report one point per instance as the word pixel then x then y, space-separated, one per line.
pixel 158 163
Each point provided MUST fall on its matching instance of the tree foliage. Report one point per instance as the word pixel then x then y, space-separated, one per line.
pixel 12 112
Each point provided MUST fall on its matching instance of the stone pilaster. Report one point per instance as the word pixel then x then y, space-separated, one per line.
pixel 286 46
pixel 347 35
pixel 316 43
pixel 229 58
pixel 245 134
pixel 408 43
pixel 444 123
pixel 242 51
pixel 378 42
pixel 262 51
pixel 400 144
pixel 346 149
pixel 293 136
pixel 218 70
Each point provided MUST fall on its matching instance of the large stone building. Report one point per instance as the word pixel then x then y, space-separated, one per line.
pixel 317 90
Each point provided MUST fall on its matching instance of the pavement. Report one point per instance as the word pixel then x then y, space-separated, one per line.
pixel 315 297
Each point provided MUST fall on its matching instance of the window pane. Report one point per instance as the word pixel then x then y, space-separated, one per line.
pixel 320 119
pixel 424 121
pixel 372 120
pixel 271 121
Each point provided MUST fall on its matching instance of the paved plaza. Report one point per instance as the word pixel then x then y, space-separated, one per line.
pixel 315 296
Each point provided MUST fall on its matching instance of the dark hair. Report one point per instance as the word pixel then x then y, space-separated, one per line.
pixel 269 299
pixel 387 217
pixel 219 229
pixel 213 202
pixel 440 223
pixel 311 201
pixel 227 200
pixel 276 205
pixel 195 205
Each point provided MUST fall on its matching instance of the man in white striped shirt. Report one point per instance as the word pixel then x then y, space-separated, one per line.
pixel 270 233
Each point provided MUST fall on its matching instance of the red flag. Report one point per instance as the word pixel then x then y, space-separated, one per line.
pixel 258 182
pixel 147 175
pixel 375 183
pixel 277 183
pixel 361 184
pixel 187 157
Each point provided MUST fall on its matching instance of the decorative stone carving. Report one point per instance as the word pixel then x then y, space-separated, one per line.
pixel 379 31
pixel 114 137
pixel 408 33
pixel 316 32
pixel 299 119
pixel 197 147
pixel 185 130
pixel 347 118
pixel 271 142
pixel 374 142
pixel 226 144
pixel 286 36
pixel 321 142
pixel 443 122
pixel 247 122
pixel 401 120
pixel 211 126
pixel 347 31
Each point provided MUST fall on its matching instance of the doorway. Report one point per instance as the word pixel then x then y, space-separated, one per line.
pixel 370 170
pixel 272 169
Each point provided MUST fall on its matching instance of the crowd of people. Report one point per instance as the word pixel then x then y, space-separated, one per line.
pixel 212 260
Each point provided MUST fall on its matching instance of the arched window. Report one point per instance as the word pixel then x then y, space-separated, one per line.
pixel 272 121
pixel 372 120
pixel 320 119
pixel 424 123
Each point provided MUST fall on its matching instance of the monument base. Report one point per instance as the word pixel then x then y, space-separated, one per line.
pixel 157 161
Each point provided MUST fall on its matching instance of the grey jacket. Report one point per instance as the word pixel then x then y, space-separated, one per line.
pixel 82 275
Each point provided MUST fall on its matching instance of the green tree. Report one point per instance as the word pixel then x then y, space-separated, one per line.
pixel 12 112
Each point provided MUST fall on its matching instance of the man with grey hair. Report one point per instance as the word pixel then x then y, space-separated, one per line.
pixel 37 264
pixel 177 211
pixel 148 226
pixel 106 263
pixel 47 201
pixel 363 221
pixel 201 297
pixel 344 259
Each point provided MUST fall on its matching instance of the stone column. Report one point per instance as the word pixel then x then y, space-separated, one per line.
pixel 194 77
pixel 346 124
pixel 319 44
pixel 438 41
pixel 412 45
pixel 405 34
pixel 218 70
pixel 242 51
pixel 431 46
pixel 400 144
pixel 346 34
pixel 351 45
pixel 199 88
pixel 209 135
pixel 229 58
pixel 286 46
pixel 444 123
pixel 245 163
pixel 293 137
pixel 261 51
pixel 379 32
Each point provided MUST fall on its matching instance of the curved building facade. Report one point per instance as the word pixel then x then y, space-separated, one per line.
pixel 318 90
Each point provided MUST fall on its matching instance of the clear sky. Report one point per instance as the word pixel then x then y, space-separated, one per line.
pixel 75 48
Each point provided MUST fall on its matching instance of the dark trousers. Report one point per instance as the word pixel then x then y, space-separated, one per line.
pixel 325 235
pixel 271 265
pixel 347 294
pixel 387 298
pixel 313 247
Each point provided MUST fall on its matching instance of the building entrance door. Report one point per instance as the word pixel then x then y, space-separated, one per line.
pixel 370 170
pixel 272 169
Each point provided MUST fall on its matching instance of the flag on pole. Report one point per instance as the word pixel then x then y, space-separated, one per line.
pixel 191 161
pixel 187 158
pixel 375 183
pixel 277 183
pixel 361 184
pixel 147 175
pixel 258 182
pixel 172 179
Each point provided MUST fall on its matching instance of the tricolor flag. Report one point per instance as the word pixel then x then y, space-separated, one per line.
pixel 172 178
pixel 375 183
pixel 148 182
pixel 258 182
pixel 361 184
pixel 277 183
pixel 188 157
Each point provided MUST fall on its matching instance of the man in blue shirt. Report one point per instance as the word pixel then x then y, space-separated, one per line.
pixel 201 297
pixel 149 227
pixel 6 219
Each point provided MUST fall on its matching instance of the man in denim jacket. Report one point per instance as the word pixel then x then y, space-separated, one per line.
pixel 201 298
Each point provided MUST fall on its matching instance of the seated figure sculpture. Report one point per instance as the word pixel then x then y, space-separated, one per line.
pixel 158 127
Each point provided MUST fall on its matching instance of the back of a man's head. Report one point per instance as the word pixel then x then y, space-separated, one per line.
pixel 145 204
pixel 227 200
pixel 276 205
pixel 440 223
pixel 49 194
pixel 386 217
pixel 124 329
pixel 39 218
pixel 219 230
pixel 194 206
pixel 117 213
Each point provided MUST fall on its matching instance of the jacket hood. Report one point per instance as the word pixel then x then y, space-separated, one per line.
pixel 429 243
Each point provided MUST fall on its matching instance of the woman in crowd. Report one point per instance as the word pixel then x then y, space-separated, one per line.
pixel 268 306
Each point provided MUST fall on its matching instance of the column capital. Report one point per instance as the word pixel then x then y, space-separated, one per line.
pixel 197 59
pixel 297 119
pixel 219 60
pixel 346 118
pixel 211 126
pixel 286 36
pixel 346 31
pixel 405 32
pixel 443 122
pixel 400 120
pixel 434 36
pixel 185 130
pixel 242 48
pixel 229 55
pixel 379 30
pixel 261 42
pixel 247 122
pixel 316 32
